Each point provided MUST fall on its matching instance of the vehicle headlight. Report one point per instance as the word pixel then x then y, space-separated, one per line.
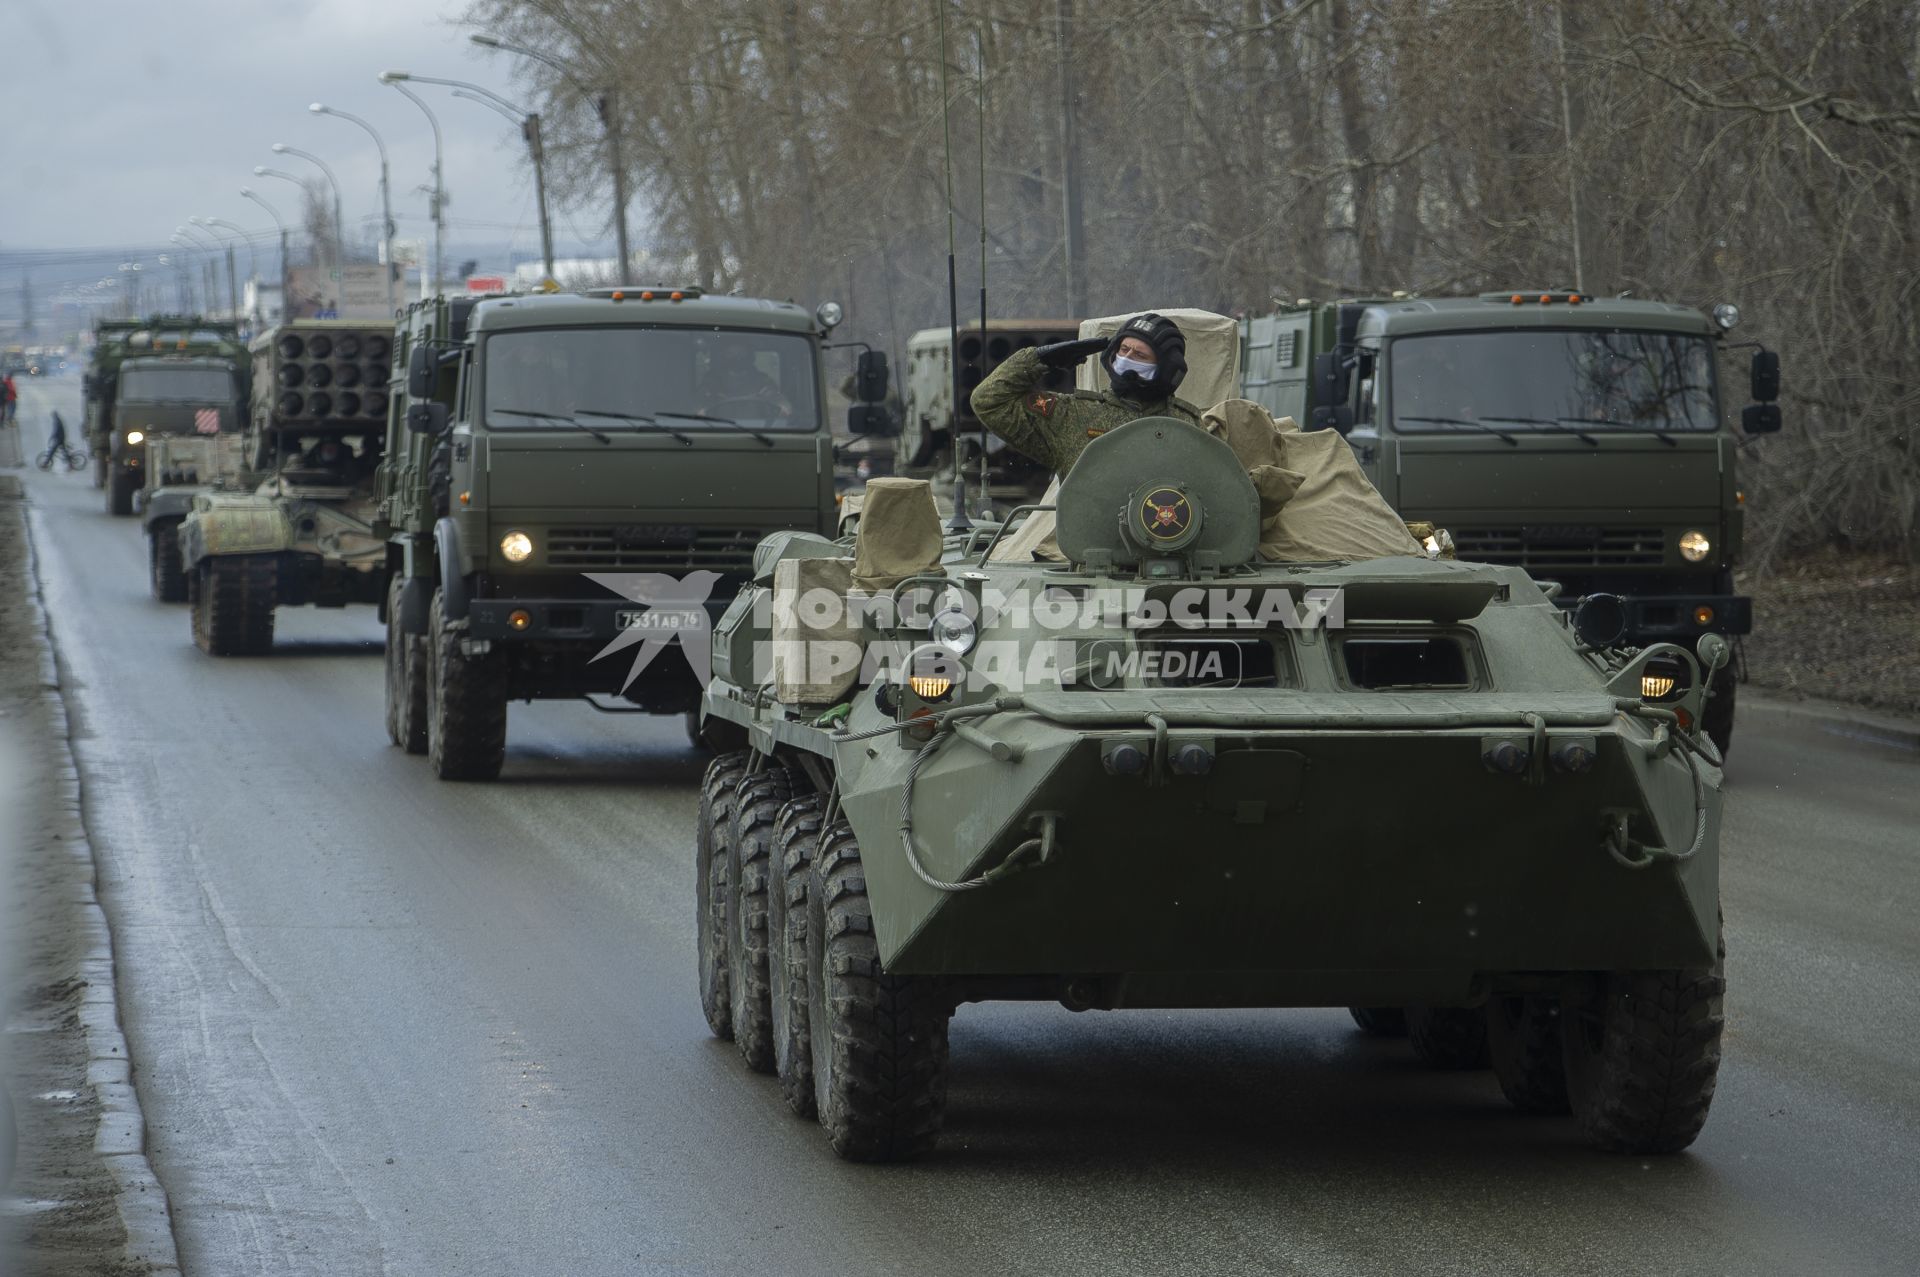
pixel 1694 546
pixel 954 630
pixel 517 547
pixel 134 436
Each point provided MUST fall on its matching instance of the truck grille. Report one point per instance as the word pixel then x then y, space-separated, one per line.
pixel 653 548
pixel 1548 547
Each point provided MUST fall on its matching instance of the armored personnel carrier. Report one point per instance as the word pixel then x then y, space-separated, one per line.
pixel 1228 737
pixel 299 530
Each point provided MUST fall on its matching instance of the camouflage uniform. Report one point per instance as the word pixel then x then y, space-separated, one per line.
pixel 1055 428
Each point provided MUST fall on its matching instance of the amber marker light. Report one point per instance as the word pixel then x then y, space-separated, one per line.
pixel 466 498
pixel 1703 615
pixel 520 618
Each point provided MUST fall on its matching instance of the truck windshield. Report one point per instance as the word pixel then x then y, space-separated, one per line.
pixel 690 379
pixel 1551 381
pixel 176 385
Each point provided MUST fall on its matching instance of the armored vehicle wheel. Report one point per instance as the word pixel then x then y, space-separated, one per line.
pixel 166 577
pixel 1448 1037
pixel 756 805
pixel 121 485
pixel 1718 719
pixel 231 601
pixel 1523 1042
pixel 711 876
pixel 1380 1022
pixel 1643 1055
pixel 879 1041
pixel 406 689
pixel 795 833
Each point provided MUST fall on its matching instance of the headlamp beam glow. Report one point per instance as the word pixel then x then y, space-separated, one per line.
pixel 1695 545
pixel 135 436
pixel 516 547
pixel 1654 686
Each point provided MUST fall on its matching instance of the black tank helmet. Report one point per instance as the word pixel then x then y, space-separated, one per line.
pixel 1169 349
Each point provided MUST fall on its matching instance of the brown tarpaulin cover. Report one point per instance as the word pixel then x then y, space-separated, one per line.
pixel 1315 501
pixel 899 533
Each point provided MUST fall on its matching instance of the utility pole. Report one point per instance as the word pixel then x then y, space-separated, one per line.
pixel 609 110
pixel 1075 230
pixel 538 150
pixel 1566 129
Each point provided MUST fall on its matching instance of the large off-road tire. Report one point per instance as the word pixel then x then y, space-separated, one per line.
pixel 879 1041
pixel 712 873
pixel 1380 1022
pixel 231 600
pixel 795 834
pixel 1643 1055
pixel 1448 1037
pixel 122 483
pixel 1523 1043
pixel 756 806
pixel 165 576
pixel 1718 718
pixel 406 696
pixel 466 703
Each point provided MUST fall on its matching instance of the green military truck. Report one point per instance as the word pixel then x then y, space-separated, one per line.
pixel 166 375
pixel 559 467
pixel 1580 438
pixel 296 526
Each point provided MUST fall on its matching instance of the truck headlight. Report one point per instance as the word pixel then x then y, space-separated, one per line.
pixel 133 437
pixel 516 547
pixel 1694 546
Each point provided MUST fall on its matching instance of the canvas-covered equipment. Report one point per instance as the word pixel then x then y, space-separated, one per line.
pixel 816 639
pixel 1213 353
pixel 1316 504
pixel 899 533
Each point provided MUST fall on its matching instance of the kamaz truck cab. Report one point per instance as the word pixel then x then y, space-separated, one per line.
pixel 1580 438
pixel 573 488
pixel 165 377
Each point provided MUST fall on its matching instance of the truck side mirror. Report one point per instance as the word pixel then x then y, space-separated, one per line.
pixel 871 419
pixel 1760 418
pixel 870 377
pixel 420 376
pixel 426 418
pixel 1766 376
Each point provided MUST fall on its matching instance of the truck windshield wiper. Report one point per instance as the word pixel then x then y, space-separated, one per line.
pixel 725 421
pixel 638 419
pixel 1559 425
pixel 1497 433
pixel 551 416
pixel 1662 435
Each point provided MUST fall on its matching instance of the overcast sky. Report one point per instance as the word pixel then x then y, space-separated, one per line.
pixel 119 119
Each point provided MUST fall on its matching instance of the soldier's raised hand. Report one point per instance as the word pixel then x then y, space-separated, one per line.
pixel 1065 354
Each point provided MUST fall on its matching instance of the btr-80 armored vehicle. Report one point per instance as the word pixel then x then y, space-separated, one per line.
pixel 1242 745
pixel 304 534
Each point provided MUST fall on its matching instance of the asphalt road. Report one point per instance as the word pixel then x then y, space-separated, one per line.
pixel 384 1025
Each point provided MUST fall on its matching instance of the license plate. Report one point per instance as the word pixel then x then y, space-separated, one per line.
pixel 655 619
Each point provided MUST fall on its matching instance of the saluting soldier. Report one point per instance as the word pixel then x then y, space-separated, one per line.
pixel 1144 362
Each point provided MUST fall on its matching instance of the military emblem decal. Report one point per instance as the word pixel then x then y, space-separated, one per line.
pixel 1042 404
pixel 1165 514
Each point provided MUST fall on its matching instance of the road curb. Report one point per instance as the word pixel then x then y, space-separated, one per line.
pixel 1848 720
pixel 121 1138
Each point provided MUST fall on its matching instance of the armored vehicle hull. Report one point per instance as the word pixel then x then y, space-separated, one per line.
pixel 1389 782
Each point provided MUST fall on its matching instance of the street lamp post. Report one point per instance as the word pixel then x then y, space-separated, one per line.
pixel 253 262
pixel 608 107
pixel 386 199
pixel 233 283
pixel 339 222
pixel 529 122
pixel 439 191
pixel 248 193
pixel 213 249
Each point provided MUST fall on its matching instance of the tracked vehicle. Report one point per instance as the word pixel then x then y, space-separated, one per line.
pixel 1237 742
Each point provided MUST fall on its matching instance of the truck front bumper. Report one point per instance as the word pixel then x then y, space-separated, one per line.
pixel 580 620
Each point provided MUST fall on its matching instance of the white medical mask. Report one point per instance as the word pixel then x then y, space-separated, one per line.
pixel 1122 365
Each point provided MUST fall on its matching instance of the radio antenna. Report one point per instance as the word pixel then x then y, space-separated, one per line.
pixel 980 103
pixel 959 522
